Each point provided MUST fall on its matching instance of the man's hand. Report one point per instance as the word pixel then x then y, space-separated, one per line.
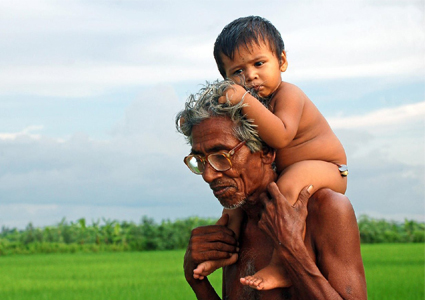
pixel 209 243
pixel 284 223
pixel 235 93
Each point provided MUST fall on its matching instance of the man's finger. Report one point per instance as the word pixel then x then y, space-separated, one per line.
pixel 273 189
pixel 215 255
pixel 213 233
pixel 304 195
pixel 264 198
pixel 199 257
pixel 207 240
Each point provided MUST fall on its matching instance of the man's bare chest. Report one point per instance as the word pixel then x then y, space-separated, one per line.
pixel 255 254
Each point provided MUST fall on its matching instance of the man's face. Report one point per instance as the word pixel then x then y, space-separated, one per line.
pixel 231 187
pixel 258 66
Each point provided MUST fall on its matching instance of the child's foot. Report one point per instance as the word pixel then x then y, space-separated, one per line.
pixel 271 277
pixel 207 267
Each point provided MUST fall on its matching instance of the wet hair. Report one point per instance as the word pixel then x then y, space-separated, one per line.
pixel 204 105
pixel 245 32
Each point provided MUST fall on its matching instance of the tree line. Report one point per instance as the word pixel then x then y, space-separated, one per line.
pixel 67 237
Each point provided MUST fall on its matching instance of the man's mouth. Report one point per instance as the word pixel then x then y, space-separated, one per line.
pixel 225 192
pixel 219 193
pixel 221 190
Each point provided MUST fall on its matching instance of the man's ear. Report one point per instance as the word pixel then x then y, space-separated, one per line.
pixel 283 62
pixel 268 155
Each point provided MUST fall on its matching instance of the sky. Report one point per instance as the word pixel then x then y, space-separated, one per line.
pixel 89 91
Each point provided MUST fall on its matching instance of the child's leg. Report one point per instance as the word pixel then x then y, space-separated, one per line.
pixel 291 181
pixel 207 267
pixel 318 173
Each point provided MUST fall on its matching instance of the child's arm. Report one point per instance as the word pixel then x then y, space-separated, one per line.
pixel 277 128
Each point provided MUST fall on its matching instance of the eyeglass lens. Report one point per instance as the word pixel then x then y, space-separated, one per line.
pixel 195 164
pixel 217 160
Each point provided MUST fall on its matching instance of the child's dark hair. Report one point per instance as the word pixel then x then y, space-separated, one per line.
pixel 244 32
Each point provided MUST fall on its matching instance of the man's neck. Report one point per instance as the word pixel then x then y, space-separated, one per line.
pixel 253 205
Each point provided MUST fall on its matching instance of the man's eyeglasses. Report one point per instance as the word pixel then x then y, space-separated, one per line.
pixel 220 161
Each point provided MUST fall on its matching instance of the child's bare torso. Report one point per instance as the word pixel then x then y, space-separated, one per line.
pixel 314 139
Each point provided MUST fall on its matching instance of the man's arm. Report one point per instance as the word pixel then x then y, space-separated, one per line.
pixel 338 272
pixel 337 240
pixel 208 243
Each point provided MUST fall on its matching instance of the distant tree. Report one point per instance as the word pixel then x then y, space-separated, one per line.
pixel 111 235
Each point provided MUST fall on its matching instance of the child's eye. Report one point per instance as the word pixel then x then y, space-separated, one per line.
pixel 259 63
pixel 237 72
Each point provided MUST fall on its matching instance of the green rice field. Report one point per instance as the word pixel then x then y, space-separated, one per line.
pixel 393 271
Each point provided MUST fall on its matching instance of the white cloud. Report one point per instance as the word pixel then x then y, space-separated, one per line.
pixel 381 186
pixel 383 117
pixel 79 49
pixel 26 132
pixel 136 165
pixel 397 134
pixel 83 81
pixel 139 169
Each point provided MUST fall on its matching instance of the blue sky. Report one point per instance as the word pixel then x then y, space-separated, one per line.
pixel 89 91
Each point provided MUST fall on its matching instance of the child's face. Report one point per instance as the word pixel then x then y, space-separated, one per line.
pixel 258 66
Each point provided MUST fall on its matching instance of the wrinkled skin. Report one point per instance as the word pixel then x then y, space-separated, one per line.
pixel 326 264
pixel 215 242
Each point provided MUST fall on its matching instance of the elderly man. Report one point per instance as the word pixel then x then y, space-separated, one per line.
pixel 227 152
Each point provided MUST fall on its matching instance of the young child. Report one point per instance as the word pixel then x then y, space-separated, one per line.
pixel 250 52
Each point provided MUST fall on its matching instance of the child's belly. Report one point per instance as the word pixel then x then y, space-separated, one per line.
pixel 324 147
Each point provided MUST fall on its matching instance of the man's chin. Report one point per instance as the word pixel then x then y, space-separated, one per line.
pixel 232 205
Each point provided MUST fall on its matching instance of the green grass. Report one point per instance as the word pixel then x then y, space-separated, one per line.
pixel 131 275
pixel 393 271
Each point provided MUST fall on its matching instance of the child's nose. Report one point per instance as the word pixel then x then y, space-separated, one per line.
pixel 250 74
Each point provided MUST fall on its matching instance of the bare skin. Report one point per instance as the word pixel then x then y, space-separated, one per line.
pixel 308 152
pixel 326 264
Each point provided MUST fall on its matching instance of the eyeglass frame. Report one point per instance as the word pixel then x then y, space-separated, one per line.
pixel 204 159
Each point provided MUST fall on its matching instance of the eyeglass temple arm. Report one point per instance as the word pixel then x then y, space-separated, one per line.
pixel 237 148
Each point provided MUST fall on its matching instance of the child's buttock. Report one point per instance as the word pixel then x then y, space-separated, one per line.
pixel 326 148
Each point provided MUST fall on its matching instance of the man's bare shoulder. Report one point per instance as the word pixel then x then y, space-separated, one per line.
pixel 329 212
pixel 326 201
pixel 331 223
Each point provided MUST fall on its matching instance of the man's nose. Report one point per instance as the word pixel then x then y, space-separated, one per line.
pixel 210 173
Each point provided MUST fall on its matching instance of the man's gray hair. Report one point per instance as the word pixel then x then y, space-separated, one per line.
pixel 204 105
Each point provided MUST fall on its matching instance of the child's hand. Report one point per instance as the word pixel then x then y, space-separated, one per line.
pixel 233 93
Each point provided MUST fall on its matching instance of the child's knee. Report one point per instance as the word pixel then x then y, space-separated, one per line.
pixel 342 186
pixel 289 189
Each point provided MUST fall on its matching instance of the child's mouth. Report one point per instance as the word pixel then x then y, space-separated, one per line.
pixel 257 87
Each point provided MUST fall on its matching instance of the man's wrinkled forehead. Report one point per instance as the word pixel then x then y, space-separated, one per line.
pixel 216 146
pixel 213 134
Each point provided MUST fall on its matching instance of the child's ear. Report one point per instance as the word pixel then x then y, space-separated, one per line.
pixel 283 62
